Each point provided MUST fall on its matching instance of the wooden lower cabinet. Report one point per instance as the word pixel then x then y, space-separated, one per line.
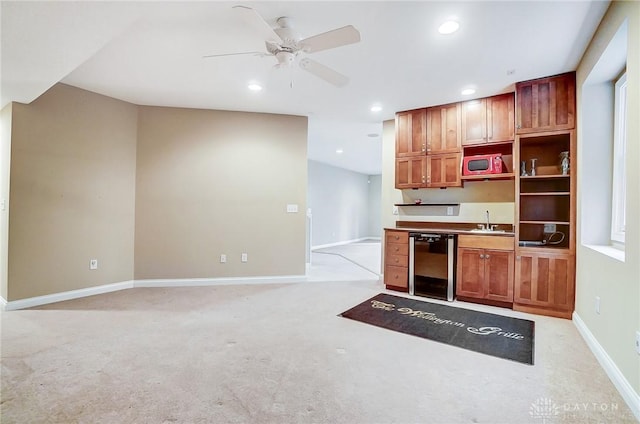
pixel 396 260
pixel 485 272
pixel 545 283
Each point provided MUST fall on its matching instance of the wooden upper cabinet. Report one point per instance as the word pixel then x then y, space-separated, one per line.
pixel 501 123
pixel 444 170
pixel 429 171
pixel 474 122
pixel 488 120
pixel 546 104
pixel 411 133
pixel 444 129
pixel 411 172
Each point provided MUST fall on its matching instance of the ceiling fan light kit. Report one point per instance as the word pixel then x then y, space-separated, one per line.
pixel 284 44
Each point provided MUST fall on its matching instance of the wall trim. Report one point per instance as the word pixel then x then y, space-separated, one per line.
pixel 615 375
pixel 30 302
pixel 175 282
pixel 195 282
pixel 340 243
pixel 3 303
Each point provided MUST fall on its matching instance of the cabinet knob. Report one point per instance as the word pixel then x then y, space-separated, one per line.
pixel 397 238
pixel 481 256
pixel 518 126
pixel 486 256
pixel 518 258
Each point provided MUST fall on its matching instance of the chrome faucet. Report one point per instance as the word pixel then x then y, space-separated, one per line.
pixel 488 225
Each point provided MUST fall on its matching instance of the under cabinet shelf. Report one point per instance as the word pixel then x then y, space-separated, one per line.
pixel 504 176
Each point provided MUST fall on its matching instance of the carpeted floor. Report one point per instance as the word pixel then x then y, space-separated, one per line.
pixel 278 354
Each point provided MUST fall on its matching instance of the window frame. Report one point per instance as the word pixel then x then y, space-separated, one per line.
pixel 618 187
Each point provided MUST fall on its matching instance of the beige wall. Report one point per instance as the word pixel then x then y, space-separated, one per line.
pixel 616 283
pixel 5 155
pixel 72 192
pixel 215 182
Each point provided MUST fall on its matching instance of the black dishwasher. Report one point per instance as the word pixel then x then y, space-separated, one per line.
pixel 431 265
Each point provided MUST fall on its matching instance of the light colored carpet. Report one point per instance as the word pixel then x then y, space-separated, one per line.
pixel 278 354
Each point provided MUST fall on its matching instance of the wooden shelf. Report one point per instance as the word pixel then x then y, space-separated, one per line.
pixel 543 177
pixel 541 222
pixel 503 176
pixel 547 193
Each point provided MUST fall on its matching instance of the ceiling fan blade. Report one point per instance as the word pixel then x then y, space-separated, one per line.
pixel 323 72
pixel 330 39
pixel 237 54
pixel 253 18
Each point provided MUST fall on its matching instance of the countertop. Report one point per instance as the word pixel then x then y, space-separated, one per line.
pixel 451 228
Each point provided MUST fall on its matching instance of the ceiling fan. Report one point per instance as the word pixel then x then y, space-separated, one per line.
pixel 284 44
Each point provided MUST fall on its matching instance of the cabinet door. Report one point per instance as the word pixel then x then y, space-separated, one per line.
pixel 498 275
pixel 501 125
pixel 546 104
pixel 444 129
pixel 444 170
pixel 396 277
pixel 546 280
pixel 411 172
pixel 474 122
pixel 411 133
pixel 470 273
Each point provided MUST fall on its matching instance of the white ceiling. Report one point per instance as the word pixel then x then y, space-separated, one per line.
pixel 150 53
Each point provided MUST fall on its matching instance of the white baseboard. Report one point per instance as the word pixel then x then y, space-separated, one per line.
pixel 196 282
pixel 107 288
pixel 341 243
pixel 3 303
pixel 68 295
pixel 617 378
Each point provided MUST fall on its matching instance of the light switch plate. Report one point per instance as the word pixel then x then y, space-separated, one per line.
pixel 93 264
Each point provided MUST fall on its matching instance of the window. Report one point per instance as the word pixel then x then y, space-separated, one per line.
pixel 619 189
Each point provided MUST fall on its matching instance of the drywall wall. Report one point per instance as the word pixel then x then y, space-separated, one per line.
pixel 5 166
pixel 215 182
pixel 72 192
pixel 617 283
pixel 375 198
pixel 340 204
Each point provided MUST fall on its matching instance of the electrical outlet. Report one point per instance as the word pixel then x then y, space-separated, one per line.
pixel 449 210
pixel 597 304
pixel 223 258
pixel 549 228
pixel 93 264
pixel 395 210
pixel 638 342
pixel 244 257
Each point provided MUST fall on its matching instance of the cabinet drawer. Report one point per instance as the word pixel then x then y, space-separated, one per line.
pixel 397 260
pixel 397 276
pixel 397 249
pixel 397 237
pixel 486 242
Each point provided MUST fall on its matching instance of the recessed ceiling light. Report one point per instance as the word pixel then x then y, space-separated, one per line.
pixel 376 108
pixel 254 86
pixel 372 135
pixel 448 27
pixel 338 151
pixel 468 91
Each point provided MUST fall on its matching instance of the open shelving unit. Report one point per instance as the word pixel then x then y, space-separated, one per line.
pixel 546 199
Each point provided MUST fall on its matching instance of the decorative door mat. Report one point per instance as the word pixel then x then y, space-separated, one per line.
pixel 495 335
